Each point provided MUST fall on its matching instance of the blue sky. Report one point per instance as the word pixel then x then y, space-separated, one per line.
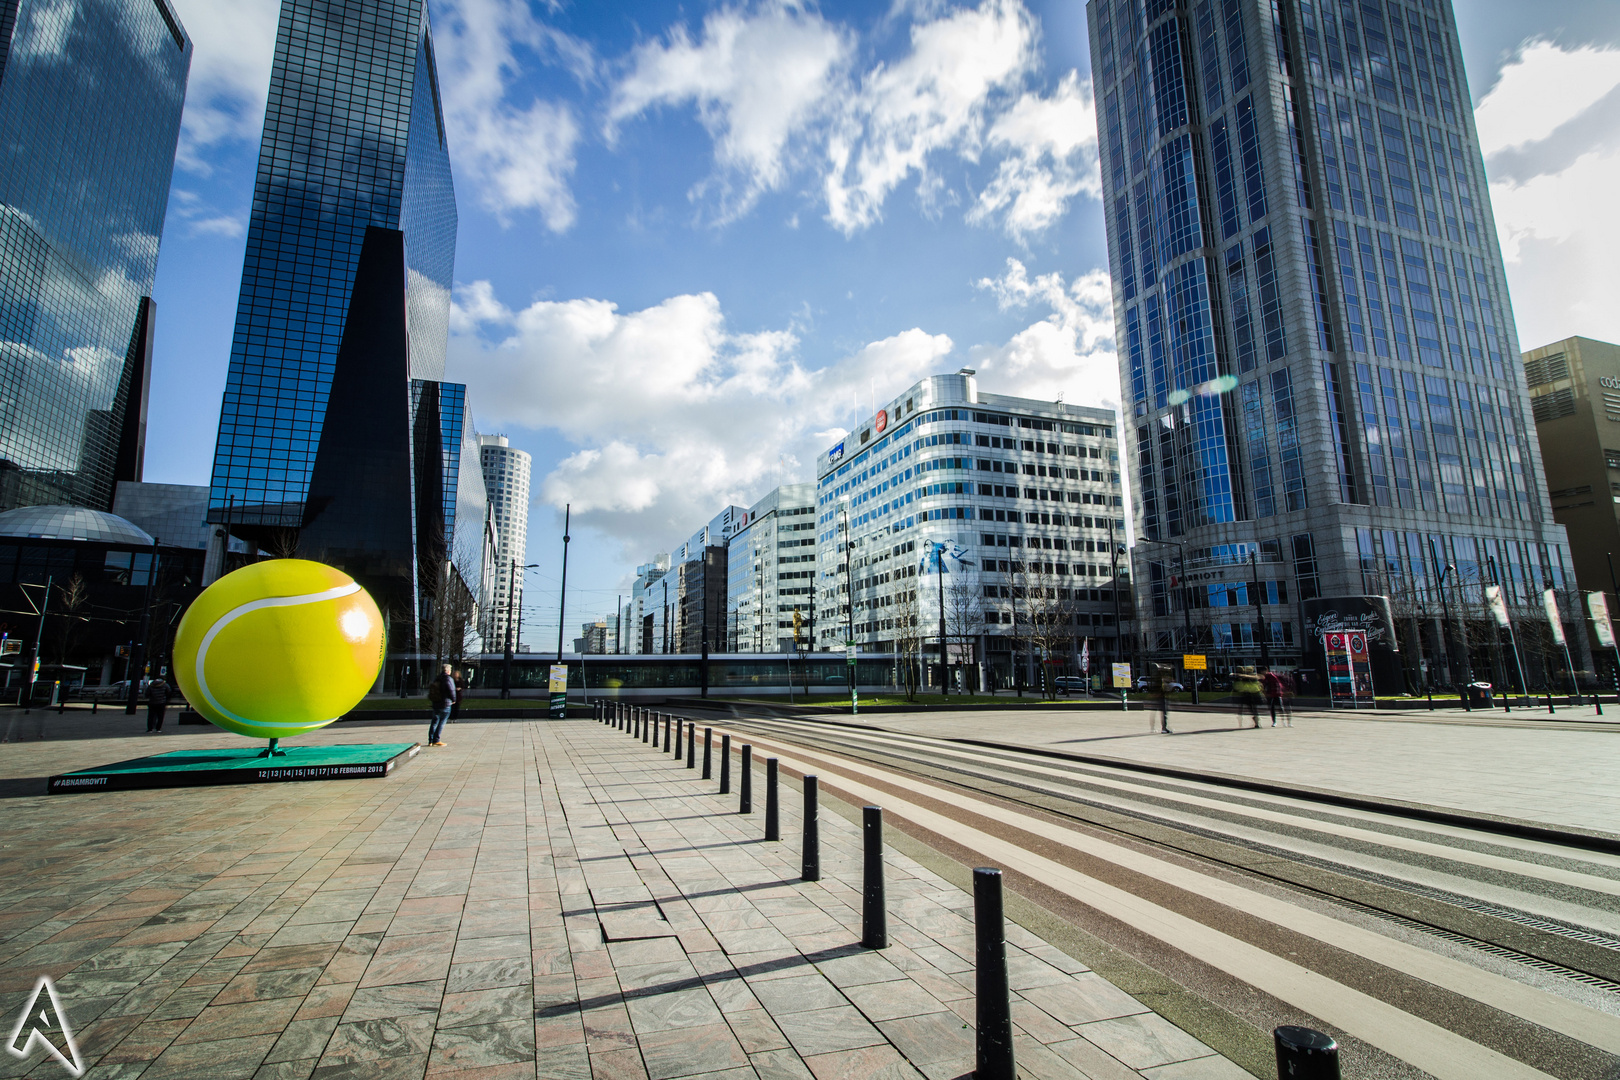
pixel 696 237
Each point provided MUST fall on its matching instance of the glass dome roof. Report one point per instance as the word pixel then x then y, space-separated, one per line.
pixel 70 523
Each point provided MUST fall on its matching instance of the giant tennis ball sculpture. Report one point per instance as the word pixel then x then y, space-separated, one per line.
pixel 279 648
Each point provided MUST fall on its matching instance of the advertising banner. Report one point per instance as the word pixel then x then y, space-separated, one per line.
pixel 1597 605
pixel 559 690
pixel 1498 606
pixel 1549 600
pixel 1380 650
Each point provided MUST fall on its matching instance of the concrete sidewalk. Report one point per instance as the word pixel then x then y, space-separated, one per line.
pixel 534 900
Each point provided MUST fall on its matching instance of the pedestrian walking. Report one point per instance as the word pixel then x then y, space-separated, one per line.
pixel 157 703
pixel 1288 698
pixel 1161 687
pixel 461 688
pixel 1246 686
pixel 1271 684
pixel 441 695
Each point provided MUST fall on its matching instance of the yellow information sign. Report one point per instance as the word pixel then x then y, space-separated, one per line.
pixel 1195 661
pixel 1122 676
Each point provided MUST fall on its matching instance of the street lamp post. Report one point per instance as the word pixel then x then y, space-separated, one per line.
pixel 1186 607
pixel 944 663
pixel 1260 628
pixel 1113 582
pixel 138 653
pixel 562 596
pixel 1445 607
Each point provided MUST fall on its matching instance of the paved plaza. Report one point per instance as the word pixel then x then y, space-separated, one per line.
pixel 1558 770
pixel 536 900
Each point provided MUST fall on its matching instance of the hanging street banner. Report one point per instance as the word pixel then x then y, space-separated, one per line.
pixel 1597 605
pixel 559 690
pixel 1549 600
pixel 1499 611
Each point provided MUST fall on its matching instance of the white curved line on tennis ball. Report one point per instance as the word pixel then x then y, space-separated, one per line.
pixel 251 606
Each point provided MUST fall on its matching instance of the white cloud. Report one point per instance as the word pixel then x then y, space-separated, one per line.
pixel 674 414
pixel 1551 132
pixel 777 88
pixel 1068 354
pixel 519 150
pixel 232 48
pixel 1052 145
pixel 756 79
pixel 936 97
pixel 1541 88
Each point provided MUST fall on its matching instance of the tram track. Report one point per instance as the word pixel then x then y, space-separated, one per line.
pixel 1518 908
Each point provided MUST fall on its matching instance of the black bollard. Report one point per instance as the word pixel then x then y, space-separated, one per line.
pixel 810 864
pixel 691 745
pixel 745 805
pixel 874 917
pixel 1303 1054
pixel 680 729
pixel 669 722
pixel 725 764
pixel 994 1045
pixel 773 825
pixel 708 733
pixel 649 728
pixel 1549 703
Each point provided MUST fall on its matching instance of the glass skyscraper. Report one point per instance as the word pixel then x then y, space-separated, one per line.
pixel 1316 345
pixel 344 302
pixel 91 93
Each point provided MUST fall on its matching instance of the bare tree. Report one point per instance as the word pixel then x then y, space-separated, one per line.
pixel 964 611
pixel 908 637
pixel 70 615
pixel 281 543
pixel 1043 611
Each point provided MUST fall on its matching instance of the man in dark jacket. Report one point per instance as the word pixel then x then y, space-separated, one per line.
pixel 441 695
pixel 157 703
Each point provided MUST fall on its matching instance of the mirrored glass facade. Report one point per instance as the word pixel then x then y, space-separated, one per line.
pixel 91 93
pixel 1316 340
pixel 336 424
pixel 353 139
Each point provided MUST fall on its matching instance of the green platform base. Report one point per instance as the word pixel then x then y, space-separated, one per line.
pixel 239 765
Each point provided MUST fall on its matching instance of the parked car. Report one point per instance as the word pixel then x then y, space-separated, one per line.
pixel 1145 683
pixel 1069 682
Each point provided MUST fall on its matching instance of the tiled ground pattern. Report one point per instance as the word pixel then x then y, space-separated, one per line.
pixel 555 901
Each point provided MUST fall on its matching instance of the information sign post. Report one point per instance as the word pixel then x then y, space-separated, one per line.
pixel 558 688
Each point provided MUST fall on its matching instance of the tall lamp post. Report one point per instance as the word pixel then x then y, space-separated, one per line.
pixel 562 595
pixel 944 662
pixel 138 653
pixel 1186 608
pixel 1113 581
pixel 511 602
pixel 1261 630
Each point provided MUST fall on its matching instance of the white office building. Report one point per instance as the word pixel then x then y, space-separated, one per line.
pixel 1000 517
pixel 506 479
pixel 770 573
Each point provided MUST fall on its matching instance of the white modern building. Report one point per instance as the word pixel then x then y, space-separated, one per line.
pixel 770 573
pixel 1021 502
pixel 506 479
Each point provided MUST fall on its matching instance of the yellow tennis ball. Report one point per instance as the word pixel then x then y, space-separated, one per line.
pixel 279 648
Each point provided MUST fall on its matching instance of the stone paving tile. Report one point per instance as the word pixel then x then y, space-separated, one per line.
pixel 449 922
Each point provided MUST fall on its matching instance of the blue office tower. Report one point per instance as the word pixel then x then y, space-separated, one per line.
pixel 91 93
pixel 345 300
pixel 1326 425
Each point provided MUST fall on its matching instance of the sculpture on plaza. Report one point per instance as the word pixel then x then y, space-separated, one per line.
pixel 279 648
